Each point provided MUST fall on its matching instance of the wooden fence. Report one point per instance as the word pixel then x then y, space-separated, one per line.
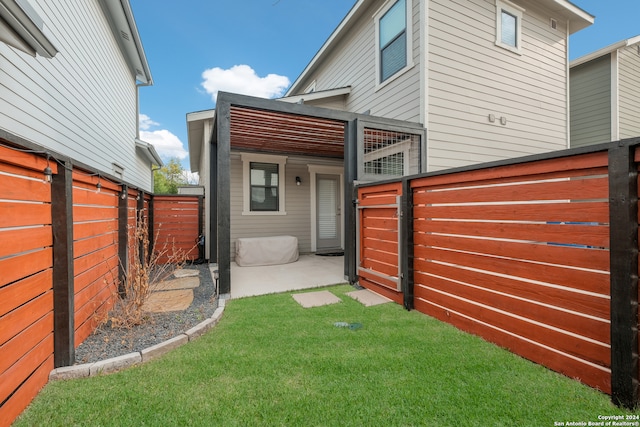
pixel 539 256
pixel 62 242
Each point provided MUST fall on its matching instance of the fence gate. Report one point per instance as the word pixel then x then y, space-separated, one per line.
pixel 378 252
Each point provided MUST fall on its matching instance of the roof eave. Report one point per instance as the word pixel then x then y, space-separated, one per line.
pixel 313 96
pixel 28 26
pixel 125 31
pixel 604 51
pixel 342 27
pixel 150 152
pixel 195 136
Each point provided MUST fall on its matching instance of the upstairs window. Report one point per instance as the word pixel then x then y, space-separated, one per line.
pixel 393 41
pixel 509 26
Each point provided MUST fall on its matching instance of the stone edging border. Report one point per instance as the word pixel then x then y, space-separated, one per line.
pixel 115 364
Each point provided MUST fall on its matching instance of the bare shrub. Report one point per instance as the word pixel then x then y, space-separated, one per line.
pixel 144 274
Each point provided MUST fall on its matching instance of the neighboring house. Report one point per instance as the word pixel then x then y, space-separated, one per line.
pixel 488 79
pixel 605 94
pixel 70 78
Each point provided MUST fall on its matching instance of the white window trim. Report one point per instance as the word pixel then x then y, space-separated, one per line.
pixel 376 17
pixel 247 158
pixel 516 11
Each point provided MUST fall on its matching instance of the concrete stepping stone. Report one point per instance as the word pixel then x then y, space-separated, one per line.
pixel 316 299
pixel 175 284
pixel 164 301
pixel 181 272
pixel 367 297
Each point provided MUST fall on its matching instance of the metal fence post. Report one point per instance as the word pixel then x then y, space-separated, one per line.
pixel 623 218
pixel 406 243
pixel 123 238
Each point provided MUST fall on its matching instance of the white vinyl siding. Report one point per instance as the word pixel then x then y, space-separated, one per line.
pixel 353 63
pixel 82 102
pixel 296 222
pixel 591 102
pixel 469 78
pixel 629 92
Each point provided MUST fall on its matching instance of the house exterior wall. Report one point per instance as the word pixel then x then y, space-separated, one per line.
pixel 82 103
pixel 629 91
pixel 469 78
pixel 296 222
pixel 464 78
pixel 591 102
pixel 352 63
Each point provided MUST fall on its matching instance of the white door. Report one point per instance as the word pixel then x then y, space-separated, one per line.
pixel 328 212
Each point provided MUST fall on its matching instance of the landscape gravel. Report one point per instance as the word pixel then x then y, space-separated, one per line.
pixel 107 342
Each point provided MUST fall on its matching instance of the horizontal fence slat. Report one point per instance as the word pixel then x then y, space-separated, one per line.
pixel 485 293
pixel 18 293
pixel 577 189
pixel 94 228
pixel 572 234
pixel 16 214
pixel 568 166
pixel 567 298
pixel 94 243
pixel 542 212
pixel 22 343
pixel 19 188
pixel 597 353
pixel 27 161
pixel 87 320
pixel 21 266
pixel 89 261
pixel 589 281
pixel 19 319
pixel 19 400
pixel 93 213
pixel 571 256
pixel 589 374
pixel 13 377
pixel 388 289
pixel 15 241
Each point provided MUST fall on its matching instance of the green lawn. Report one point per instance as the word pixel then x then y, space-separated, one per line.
pixel 271 362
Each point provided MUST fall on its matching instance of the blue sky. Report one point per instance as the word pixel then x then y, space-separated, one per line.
pixel 197 46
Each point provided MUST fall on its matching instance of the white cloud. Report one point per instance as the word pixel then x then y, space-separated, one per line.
pixel 166 143
pixel 242 79
pixel 145 122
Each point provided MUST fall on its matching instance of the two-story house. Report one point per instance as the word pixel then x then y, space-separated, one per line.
pixel 70 80
pixel 488 79
pixel 605 97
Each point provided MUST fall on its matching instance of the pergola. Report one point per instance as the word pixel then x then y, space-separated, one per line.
pixel 261 125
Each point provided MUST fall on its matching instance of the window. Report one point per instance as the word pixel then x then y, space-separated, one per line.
pixel 263 184
pixel 393 41
pixel 508 26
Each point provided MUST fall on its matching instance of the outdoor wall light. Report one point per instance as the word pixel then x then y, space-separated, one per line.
pixel 298 180
pixel 98 185
pixel 47 172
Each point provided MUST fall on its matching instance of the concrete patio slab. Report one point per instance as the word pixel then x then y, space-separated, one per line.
pixel 310 271
pixel 181 283
pixel 316 299
pixel 368 298
pixel 164 301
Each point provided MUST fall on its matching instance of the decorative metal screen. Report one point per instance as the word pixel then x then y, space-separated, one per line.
pixel 389 154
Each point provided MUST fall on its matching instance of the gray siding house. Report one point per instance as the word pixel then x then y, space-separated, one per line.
pixel 70 78
pixel 488 79
pixel 605 95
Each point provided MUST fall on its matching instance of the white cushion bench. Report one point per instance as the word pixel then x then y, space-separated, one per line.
pixel 252 251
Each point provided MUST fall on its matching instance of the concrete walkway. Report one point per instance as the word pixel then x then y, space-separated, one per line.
pixel 310 271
